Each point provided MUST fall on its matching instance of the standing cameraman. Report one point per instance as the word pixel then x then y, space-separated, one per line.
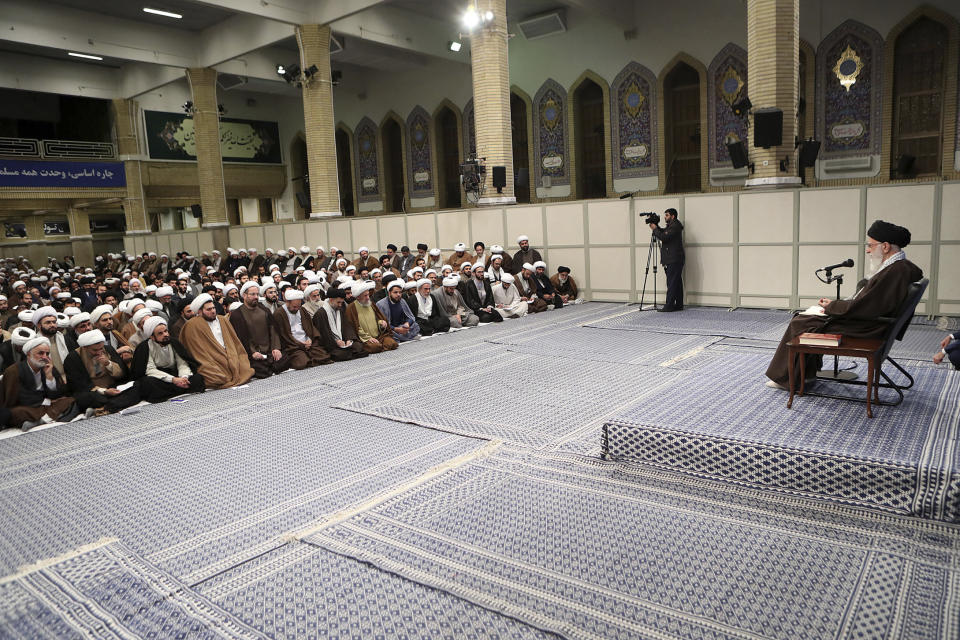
pixel 671 257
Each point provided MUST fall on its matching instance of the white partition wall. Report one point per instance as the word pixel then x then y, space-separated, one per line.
pixel 744 249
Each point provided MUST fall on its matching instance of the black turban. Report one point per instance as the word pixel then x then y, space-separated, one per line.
pixel 563 269
pixel 421 246
pixel 334 292
pixel 888 232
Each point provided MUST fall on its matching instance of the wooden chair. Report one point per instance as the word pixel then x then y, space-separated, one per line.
pixel 875 351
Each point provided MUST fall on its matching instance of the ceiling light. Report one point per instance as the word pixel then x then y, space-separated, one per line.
pixel 471 18
pixel 488 16
pixel 454 45
pixel 83 55
pixel 167 14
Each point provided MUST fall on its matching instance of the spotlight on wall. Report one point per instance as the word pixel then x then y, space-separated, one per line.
pixel 741 107
pixel 281 70
pixel 454 45
pixel 310 72
pixel 471 18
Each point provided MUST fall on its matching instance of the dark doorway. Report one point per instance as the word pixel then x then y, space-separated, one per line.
pixel 448 162
pixel 344 172
pixel 521 152
pixel 682 105
pixel 300 179
pixel 588 140
pixel 391 141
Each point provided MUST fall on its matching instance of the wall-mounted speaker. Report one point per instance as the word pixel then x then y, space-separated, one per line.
pixel 767 127
pixel 738 154
pixel 196 210
pixel 499 178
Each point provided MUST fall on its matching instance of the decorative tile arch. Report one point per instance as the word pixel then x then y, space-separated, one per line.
pixel 726 83
pixel 551 145
pixel 469 131
pixel 634 147
pixel 849 76
pixel 367 164
pixel 663 121
pixel 420 161
pixel 351 163
pixel 458 116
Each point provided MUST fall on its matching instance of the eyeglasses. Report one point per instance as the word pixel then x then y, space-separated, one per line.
pixel 871 245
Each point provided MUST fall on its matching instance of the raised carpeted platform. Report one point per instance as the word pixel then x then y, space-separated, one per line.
pixel 721 422
pixel 588 549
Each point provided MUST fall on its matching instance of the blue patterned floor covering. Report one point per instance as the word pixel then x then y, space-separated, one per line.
pixel 302 591
pixel 107 591
pixel 591 549
pixel 196 496
pixel 701 321
pixel 531 400
pixel 721 422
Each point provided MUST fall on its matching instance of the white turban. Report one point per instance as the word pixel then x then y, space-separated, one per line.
pixel 293 294
pixel 150 288
pixel 360 286
pixel 247 285
pixel 199 301
pixel 412 273
pixel 435 252
pixel 350 267
pixel 22 335
pixel 450 281
pixel 363 250
pixel 90 338
pixel 395 283
pixel 409 284
pixel 42 313
pixel 79 319
pixel 154 305
pixel 459 247
pixel 496 249
pixel 528 266
pixel 310 289
pixel 33 343
pixel 62 321
pixel 268 283
pixel 508 278
pixel 423 281
pixel 19 283
pixel 539 263
pixel 98 312
pixel 304 249
pixel 466 265
pixel 230 287
pixel 26 315
pixel 71 311
pixel 151 325
pixel 139 316
pixel 522 238
pixel 320 248
pixel 234 306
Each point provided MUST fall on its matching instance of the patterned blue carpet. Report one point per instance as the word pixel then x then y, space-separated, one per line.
pixel 453 489
pixel 587 549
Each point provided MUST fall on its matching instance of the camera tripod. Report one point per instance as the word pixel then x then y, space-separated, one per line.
pixel 652 253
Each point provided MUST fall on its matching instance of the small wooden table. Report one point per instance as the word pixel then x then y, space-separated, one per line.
pixel 868 348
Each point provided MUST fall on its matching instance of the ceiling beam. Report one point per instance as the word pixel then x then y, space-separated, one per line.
pixel 237 36
pixel 137 78
pixel 70 29
pixel 45 75
pixel 402 29
pixel 290 11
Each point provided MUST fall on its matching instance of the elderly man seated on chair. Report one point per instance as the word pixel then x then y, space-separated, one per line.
pixel 890 275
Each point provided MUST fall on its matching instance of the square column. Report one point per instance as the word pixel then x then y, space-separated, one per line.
pixel 491 99
pixel 314 42
pixel 773 49
pixel 80 237
pixel 206 131
pixel 125 118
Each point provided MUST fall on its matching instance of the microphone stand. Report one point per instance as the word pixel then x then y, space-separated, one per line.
pixel 837 374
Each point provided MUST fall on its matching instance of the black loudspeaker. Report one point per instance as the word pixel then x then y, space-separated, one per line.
pixel 499 178
pixel 523 177
pixel 303 201
pixel 738 154
pixel 809 150
pixel 196 210
pixel 905 165
pixel 767 127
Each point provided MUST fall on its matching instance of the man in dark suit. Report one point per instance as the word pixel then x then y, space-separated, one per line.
pixel 671 257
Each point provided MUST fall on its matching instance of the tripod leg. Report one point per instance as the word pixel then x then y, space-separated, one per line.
pixel 651 255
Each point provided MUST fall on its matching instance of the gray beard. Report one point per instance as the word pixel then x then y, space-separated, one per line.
pixel 873 264
pixel 364 304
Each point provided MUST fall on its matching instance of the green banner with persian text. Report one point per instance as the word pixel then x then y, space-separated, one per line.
pixel 170 136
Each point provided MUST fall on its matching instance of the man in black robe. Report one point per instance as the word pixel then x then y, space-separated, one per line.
pixel 337 335
pixel 94 371
pixel 258 333
pixel 162 367
pixel 856 317
pixel 478 295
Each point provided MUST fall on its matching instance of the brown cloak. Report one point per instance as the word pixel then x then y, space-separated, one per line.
pixel 221 367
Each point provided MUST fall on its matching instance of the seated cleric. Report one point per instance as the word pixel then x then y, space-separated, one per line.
pixel 890 276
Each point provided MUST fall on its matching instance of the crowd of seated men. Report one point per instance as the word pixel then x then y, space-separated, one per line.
pixel 80 341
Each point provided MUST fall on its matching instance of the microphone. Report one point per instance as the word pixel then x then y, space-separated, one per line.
pixel 626 195
pixel 846 263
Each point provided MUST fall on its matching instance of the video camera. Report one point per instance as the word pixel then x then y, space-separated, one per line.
pixel 651 217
